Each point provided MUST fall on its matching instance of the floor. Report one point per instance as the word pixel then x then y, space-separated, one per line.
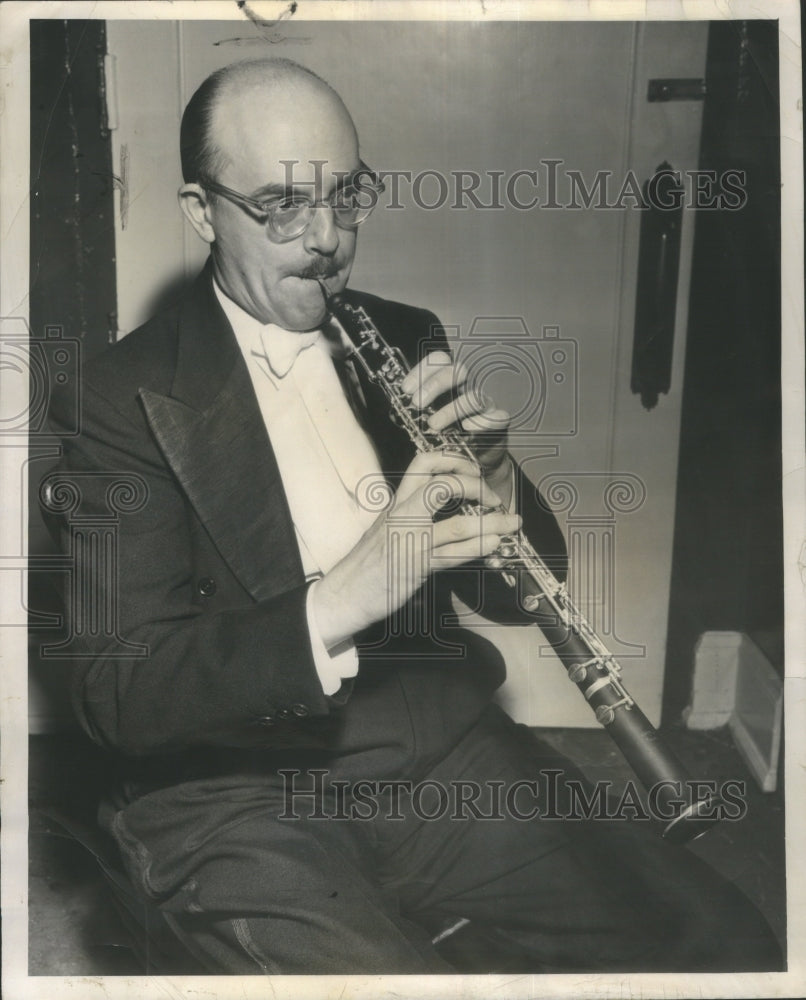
pixel 75 930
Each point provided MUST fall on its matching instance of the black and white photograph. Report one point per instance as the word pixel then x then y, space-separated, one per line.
pixel 403 548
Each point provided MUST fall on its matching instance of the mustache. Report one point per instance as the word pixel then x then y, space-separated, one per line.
pixel 319 269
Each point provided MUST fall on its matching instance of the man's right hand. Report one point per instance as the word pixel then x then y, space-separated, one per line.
pixel 404 545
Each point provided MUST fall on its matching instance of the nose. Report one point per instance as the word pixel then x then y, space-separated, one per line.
pixel 322 235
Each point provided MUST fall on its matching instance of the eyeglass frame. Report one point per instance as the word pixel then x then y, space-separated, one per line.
pixel 264 206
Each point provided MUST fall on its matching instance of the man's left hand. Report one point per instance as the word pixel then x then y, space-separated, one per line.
pixel 482 422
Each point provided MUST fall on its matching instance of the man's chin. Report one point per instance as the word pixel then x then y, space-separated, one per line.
pixel 306 307
pixel 302 320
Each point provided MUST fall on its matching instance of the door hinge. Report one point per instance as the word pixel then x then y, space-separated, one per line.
pixel 676 89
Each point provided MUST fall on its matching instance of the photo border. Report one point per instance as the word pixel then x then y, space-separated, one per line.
pixel 14 252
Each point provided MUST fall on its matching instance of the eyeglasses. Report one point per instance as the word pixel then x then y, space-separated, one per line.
pixel 288 216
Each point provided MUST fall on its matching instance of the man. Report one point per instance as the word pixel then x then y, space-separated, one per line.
pixel 280 672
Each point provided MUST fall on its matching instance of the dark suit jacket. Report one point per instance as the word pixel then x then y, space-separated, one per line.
pixel 210 580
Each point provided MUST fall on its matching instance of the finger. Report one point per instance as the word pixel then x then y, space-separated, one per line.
pixel 464 528
pixel 445 492
pixel 449 490
pixel 439 383
pixel 458 553
pixel 433 362
pixel 463 407
pixel 487 422
pixel 433 379
pixel 432 463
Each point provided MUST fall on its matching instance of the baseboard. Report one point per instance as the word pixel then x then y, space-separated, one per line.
pixel 713 689
pixel 757 717
pixel 764 766
pixel 735 684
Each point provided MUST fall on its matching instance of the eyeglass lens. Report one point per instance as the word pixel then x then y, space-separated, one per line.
pixel 292 217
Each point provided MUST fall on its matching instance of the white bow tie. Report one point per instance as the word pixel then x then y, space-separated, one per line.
pixel 281 347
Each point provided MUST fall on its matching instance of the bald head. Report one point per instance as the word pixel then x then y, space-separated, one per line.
pixel 254 134
pixel 288 98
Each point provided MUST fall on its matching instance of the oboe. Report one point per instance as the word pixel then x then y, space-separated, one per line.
pixel 587 660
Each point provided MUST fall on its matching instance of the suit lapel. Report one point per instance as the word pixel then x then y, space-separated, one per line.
pixel 212 434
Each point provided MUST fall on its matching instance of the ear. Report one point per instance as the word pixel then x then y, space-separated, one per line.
pixel 195 204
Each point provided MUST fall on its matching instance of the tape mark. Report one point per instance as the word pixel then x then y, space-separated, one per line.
pixel 273 37
pixel 244 7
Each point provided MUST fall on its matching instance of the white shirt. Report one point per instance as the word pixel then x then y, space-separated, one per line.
pixel 323 455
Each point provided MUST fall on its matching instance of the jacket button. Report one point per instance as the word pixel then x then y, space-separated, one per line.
pixel 207 586
pixel 283 713
pixel 300 710
pixel 266 720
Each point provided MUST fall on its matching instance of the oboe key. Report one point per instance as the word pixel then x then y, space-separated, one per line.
pixel 531 602
pixel 577 672
pixel 605 715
